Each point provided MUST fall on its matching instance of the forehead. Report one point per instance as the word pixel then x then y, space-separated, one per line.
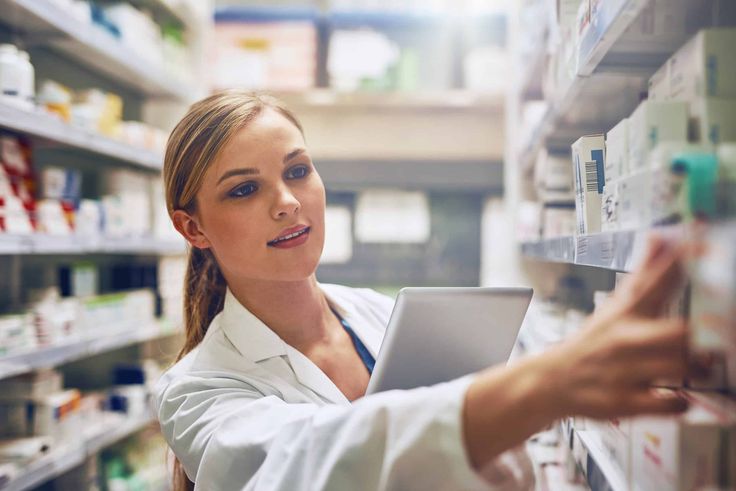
pixel 270 135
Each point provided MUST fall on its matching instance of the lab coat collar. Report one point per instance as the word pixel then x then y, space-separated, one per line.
pixel 257 342
pixel 250 336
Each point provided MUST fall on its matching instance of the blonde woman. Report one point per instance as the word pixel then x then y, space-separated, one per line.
pixel 267 393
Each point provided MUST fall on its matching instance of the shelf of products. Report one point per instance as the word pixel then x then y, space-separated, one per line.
pixel 39 124
pixel 613 64
pixel 66 457
pixel 617 251
pixel 15 364
pixel 91 46
pixel 70 244
pixel 597 466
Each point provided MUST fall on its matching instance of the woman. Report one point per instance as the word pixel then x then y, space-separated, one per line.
pixel 267 391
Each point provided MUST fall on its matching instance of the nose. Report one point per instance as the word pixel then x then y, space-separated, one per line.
pixel 285 203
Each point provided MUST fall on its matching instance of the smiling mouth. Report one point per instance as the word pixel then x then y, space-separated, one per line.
pixel 289 236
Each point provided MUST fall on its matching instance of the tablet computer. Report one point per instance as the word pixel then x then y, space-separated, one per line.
pixel 438 334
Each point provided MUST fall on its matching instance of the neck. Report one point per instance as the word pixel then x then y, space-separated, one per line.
pixel 297 311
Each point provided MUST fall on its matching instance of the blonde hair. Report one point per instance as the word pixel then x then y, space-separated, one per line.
pixel 193 145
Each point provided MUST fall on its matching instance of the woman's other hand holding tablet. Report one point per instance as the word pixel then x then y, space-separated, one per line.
pixel 609 369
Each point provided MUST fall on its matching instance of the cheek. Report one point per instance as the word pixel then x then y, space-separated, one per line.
pixel 228 227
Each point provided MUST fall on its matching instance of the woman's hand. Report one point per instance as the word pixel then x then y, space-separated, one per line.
pixel 609 369
pixel 628 346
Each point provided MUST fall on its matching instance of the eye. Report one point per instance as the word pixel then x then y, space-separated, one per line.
pixel 297 172
pixel 244 189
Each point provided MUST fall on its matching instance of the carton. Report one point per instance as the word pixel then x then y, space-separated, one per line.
pixel 705 66
pixel 712 120
pixel 617 151
pixel 713 305
pixel 588 154
pixel 680 453
pixel 651 123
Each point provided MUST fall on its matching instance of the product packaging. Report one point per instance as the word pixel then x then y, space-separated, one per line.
pixel 713 121
pixel 713 305
pixel 651 123
pixel 705 66
pixel 617 151
pixel 681 453
pixel 589 169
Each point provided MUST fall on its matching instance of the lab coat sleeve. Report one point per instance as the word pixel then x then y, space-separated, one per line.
pixel 230 436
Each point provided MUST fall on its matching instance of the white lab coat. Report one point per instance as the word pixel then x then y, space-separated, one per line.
pixel 244 410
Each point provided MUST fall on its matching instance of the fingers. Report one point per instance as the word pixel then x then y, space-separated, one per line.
pixel 650 337
pixel 656 281
pixel 654 401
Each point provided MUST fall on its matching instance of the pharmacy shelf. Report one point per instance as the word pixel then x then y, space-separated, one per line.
pixel 164 10
pixel 64 458
pixel 71 244
pixel 46 357
pixel 45 21
pixel 617 251
pixel 598 468
pixel 613 68
pixel 391 101
pixel 38 123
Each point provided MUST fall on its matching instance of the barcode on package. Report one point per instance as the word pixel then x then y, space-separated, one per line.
pixel 591 177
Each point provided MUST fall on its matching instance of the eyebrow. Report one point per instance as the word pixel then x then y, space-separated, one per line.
pixel 249 171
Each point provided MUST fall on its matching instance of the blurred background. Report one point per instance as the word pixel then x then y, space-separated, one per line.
pixel 462 143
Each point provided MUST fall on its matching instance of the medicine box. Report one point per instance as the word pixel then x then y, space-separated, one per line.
pixel 712 120
pixel 609 205
pixel 705 66
pixel 680 453
pixel 588 156
pixel 633 206
pixel 651 123
pixel 616 439
pixel 713 302
pixel 617 151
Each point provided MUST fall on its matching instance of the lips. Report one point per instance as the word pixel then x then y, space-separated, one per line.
pixel 290 236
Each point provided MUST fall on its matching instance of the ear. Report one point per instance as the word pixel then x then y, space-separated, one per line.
pixel 189 228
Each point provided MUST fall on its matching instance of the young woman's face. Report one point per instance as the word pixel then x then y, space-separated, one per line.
pixel 262 204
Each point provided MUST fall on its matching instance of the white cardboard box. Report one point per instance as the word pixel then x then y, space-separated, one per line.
pixel 633 207
pixel 588 156
pixel 616 439
pixel 678 453
pixel 705 66
pixel 713 120
pixel 713 300
pixel 609 207
pixel 651 123
pixel 617 151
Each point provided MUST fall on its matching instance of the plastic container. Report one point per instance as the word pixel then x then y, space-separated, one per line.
pixel 11 74
pixel 28 78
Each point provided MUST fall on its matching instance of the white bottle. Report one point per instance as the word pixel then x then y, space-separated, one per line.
pixel 28 83
pixel 11 74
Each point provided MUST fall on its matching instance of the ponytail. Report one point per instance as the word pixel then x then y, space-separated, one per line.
pixel 204 296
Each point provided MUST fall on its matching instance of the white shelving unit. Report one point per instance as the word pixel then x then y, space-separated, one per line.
pixel 71 244
pixel 42 125
pixel 612 73
pixel 155 95
pixel 610 78
pixel 616 251
pixel 67 456
pixel 91 46
pixel 50 356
